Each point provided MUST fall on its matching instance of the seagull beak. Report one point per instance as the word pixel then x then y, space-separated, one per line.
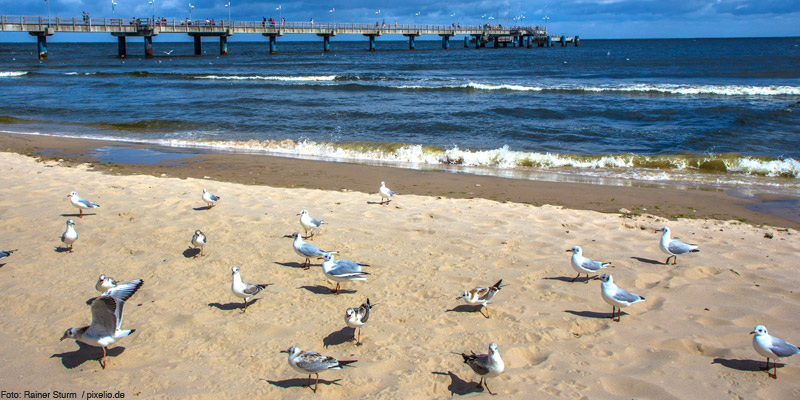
pixel 752 332
pixel 596 278
pixel 284 351
pixel 298 213
pixel 62 338
pixel 568 250
pixel 69 195
pixel 287 236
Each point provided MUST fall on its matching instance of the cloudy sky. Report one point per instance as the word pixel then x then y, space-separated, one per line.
pixel 599 19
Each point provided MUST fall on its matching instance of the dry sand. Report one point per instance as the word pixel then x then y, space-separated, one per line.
pixel 688 340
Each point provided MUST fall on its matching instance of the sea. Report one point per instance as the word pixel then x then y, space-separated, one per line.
pixel 719 113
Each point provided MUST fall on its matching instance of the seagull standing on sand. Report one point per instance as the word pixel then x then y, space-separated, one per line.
pixel 305 249
pixel 80 203
pixel 481 296
pixel 70 235
pixel 105 283
pixel 309 362
pixel 385 193
pixel 771 347
pixel 209 198
pixel 583 265
pixel 356 318
pixel 244 290
pixel 486 365
pixel 674 247
pixel 309 223
pixel 342 271
pixel 615 296
pixel 199 240
pixel 106 319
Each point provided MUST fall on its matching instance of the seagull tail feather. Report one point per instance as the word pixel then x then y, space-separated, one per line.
pixel 346 363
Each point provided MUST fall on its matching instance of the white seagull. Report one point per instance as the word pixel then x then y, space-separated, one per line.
pixel 481 296
pixel 771 347
pixel 385 193
pixel 199 240
pixel 80 203
pixel 106 319
pixel 356 318
pixel 209 198
pixel 615 296
pixel 674 247
pixel 309 362
pixel 342 271
pixel 305 249
pixel 244 290
pixel 309 223
pixel 70 235
pixel 105 283
pixel 486 365
pixel 583 265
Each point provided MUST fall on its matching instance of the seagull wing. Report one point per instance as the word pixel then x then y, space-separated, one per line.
pixel 104 316
pixel 87 203
pixel 253 290
pixel 783 349
pixel 346 267
pixel 315 222
pixel 309 250
pixel 622 295
pixel 479 364
pixel 315 362
pixel 592 265
pixel 677 247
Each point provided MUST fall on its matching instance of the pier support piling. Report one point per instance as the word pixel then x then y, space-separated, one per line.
pixel 148 47
pixel 563 41
pixel 326 43
pixel 577 41
pixel 198 46
pixel 122 49
pixel 42 46
pixel 411 41
pixel 466 42
pixel 549 41
pixel 223 45
pixel 445 42
pixel 273 44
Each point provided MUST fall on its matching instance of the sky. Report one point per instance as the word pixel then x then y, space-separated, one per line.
pixel 591 19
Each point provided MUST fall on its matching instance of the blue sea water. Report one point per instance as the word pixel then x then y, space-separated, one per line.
pixel 707 111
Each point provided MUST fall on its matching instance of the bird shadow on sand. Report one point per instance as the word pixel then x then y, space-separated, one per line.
pixel 570 279
pixel 301 382
pixel 290 264
pixel 343 335
pixel 232 306
pixel 647 261
pixel 191 252
pixel 744 365
pixel 77 215
pixel 466 308
pixel 61 249
pixel 459 386
pixel 203 208
pixel 592 314
pixel 319 289
pixel 86 353
pixel 2 265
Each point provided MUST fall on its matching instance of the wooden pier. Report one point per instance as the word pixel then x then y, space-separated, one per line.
pixel 42 27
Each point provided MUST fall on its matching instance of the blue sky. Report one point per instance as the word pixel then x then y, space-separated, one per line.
pixel 599 19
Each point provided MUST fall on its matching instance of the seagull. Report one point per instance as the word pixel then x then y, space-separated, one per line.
pixel 615 296
pixel 385 193
pixel 168 52
pixel 199 240
pixel 80 203
pixel 105 283
pixel 70 235
pixel 486 365
pixel 342 271
pixel 309 362
pixel 674 247
pixel 584 265
pixel 6 253
pixel 309 223
pixel 106 318
pixel 771 347
pixel 480 296
pixel 209 198
pixel 307 250
pixel 243 289
pixel 356 317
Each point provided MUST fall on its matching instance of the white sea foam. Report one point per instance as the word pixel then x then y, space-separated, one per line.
pixel 318 78
pixel 12 74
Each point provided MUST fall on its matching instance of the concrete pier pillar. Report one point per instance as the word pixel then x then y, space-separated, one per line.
pixel 529 43
pixel 198 46
pixel 446 42
pixel 477 42
pixel 41 41
pixel 495 43
pixel 122 49
pixel 563 41
pixel 411 42
pixel 549 41
pixel 466 42
pixel 223 45
pixel 148 47
pixel 326 43
pixel 273 44
pixel 577 41
pixel 371 42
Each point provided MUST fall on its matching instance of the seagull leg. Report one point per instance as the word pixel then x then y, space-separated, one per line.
pixel 307 264
pixel 480 384
pixel 487 310
pixel 774 370
pixel 674 260
pixel 245 305
pixel 316 384
pixel 486 383
pixel 587 278
pixel 358 341
pixel 337 288
pixel 103 359
pixel 573 279
pixel 308 383
pixel 81 214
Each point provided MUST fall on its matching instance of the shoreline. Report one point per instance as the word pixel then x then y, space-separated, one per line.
pixel 281 172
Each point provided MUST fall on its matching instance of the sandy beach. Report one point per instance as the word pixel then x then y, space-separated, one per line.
pixel 690 339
